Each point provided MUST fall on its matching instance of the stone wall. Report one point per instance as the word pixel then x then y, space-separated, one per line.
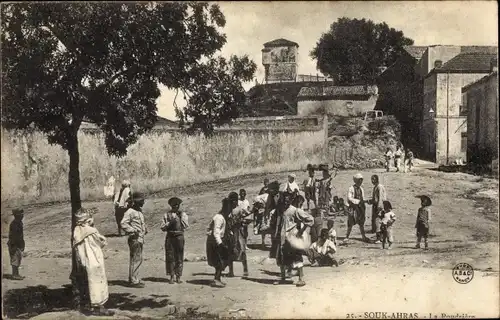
pixel 441 92
pixel 481 99
pixel 35 171
pixel 336 107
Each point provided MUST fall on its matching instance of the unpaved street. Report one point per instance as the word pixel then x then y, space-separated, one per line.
pixel 464 228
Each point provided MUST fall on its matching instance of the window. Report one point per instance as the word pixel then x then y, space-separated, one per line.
pixel 463 109
pixel 463 142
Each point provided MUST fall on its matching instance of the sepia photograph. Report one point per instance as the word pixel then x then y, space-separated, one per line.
pixel 249 160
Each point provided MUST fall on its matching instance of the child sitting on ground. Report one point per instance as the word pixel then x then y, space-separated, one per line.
pixel 386 225
pixel 341 207
pixel 332 234
pixel 321 252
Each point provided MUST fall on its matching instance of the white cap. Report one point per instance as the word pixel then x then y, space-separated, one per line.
pixel 357 176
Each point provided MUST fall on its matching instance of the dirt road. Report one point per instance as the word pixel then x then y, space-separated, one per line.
pixel 464 228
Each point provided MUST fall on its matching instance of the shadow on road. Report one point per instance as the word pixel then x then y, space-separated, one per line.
pixel 113 235
pixel 270 273
pixel 121 283
pixel 154 279
pixel 262 281
pixel 27 302
pixel 257 246
pixel 200 282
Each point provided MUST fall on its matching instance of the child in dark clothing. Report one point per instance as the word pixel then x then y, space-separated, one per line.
pixel 341 206
pixel 16 243
pixel 335 204
pixel 423 218
pixel 318 224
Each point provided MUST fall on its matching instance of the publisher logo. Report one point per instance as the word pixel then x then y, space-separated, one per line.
pixel 463 273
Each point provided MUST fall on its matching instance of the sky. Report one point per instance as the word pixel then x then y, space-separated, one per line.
pixel 250 24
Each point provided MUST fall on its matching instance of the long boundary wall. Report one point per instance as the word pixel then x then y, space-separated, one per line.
pixel 35 171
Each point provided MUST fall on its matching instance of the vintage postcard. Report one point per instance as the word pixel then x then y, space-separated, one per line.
pixel 250 160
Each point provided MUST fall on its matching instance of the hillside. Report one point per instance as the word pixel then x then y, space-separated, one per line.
pixel 356 144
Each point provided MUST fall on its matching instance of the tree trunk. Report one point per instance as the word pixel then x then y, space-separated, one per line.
pixel 76 204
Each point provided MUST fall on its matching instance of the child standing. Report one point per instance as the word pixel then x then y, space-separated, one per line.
pixel 409 160
pixel 386 225
pixel 174 223
pixel 388 156
pixel 318 224
pixel 16 242
pixel 423 218
pixel 397 158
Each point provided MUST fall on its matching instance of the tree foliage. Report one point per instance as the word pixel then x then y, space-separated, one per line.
pixel 64 63
pixel 354 50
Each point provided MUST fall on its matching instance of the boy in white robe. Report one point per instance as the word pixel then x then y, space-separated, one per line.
pixel 88 243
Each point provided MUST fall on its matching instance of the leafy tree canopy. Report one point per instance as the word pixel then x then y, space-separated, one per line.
pixel 64 63
pixel 354 50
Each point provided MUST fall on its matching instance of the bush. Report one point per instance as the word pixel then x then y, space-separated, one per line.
pixel 385 124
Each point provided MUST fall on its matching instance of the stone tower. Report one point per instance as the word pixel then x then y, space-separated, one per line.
pixel 279 58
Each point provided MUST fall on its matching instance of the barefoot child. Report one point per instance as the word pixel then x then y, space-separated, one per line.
pixel 423 218
pixel 321 252
pixel 16 242
pixel 386 225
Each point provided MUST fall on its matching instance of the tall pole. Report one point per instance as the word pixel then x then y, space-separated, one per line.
pixel 447 118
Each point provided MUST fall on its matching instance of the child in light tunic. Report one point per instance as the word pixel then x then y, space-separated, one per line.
pixel 386 225
pixel 88 244
pixel 321 252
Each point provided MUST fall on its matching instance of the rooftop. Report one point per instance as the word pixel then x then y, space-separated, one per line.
pixel 482 80
pixel 335 91
pixel 473 61
pixel 483 49
pixel 280 43
pixel 416 51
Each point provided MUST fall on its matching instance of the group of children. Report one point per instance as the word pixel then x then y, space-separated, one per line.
pixel 397 156
pixel 175 222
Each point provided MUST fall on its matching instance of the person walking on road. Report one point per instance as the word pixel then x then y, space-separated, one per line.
pixel 134 226
pixel 290 224
pixel 409 161
pixel 237 226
